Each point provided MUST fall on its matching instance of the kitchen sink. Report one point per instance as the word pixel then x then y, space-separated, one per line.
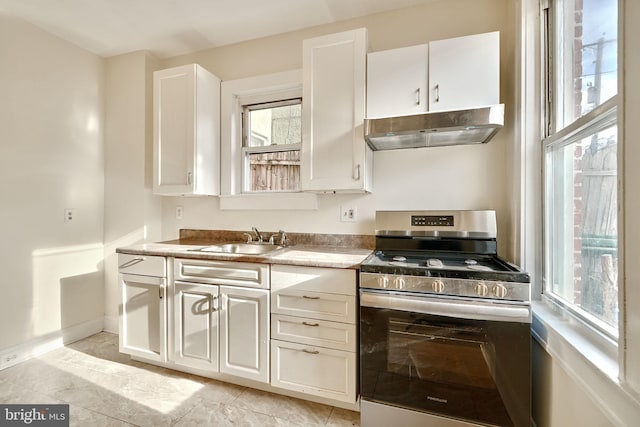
pixel 255 248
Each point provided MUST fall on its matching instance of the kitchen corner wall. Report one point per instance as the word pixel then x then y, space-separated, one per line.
pixel 51 136
pixel 132 213
pixel 463 177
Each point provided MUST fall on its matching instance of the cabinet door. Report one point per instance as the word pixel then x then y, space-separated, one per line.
pixel 314 370
pixel 186 131
pixel 334 155
pixel 174 129
pixel 142 319
pixel 464 72
pixel 244 333
pixel 397 81
pixel 195 318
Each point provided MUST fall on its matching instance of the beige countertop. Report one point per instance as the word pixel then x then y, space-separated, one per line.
pixel 305 255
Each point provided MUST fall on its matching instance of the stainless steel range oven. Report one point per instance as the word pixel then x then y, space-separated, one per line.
pixel 444 324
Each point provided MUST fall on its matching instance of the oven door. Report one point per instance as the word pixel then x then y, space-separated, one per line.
pixel 466 360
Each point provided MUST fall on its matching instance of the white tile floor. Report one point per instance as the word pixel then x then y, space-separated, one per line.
pixel 106 388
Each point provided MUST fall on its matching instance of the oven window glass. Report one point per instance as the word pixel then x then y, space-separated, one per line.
pixel 472 370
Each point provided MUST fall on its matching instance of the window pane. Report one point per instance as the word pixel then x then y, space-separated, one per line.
pixel 275 125
pixel 585 52
pixel 277 171
pixel 581 237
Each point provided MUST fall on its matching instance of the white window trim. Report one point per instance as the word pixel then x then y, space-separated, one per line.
pixel 591 360
pixel 234 94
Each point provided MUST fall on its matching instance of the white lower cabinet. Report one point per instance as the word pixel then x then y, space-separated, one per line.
pixel 195 325
pixel 220 317
pixel 313 330
pixel 143 317
pixel 221 320
pixel 244 333
pixel 314 370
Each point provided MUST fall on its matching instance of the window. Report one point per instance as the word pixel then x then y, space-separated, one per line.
pixel 272 135
pixel 580 160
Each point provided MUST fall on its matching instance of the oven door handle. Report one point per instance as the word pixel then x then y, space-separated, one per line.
pixel 474 310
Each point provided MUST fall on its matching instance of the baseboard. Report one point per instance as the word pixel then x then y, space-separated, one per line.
pixel 110 324
pixel 13 355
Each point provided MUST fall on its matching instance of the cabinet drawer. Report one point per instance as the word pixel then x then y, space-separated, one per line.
pixel 314 370
pixel 222 273
pixel 339 336
pixel 331 280
pixel 315 305
pixel 142 265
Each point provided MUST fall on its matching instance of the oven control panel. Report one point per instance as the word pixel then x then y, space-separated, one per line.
pixel 486 289
pixel 432 220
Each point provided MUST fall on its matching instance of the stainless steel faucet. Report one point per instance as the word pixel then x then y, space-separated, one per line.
pixel 258 235
pixel 283 238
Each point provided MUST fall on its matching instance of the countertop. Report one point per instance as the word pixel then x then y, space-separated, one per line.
pixel 304 255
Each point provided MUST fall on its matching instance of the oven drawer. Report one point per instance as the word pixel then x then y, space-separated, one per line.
pixel 314 370
pixel 142 265
pixel 339 336
pixel 330 280
pixel 315 305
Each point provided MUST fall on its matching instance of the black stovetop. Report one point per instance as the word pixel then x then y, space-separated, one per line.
pixel 443 264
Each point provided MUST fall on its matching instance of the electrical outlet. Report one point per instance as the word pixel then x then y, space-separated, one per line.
pixel 179 212
pixel 69 215
pixel 348 214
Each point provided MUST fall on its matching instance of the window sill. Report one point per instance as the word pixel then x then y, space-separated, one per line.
pixel 589 359
pixel 270 201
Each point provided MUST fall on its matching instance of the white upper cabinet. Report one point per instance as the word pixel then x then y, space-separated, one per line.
pixel 334 155
pixel 397 81
pixel 451 74
pixel 464 72
pixel 186 131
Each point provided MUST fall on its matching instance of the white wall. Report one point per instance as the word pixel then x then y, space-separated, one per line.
pixel 558 399
pixel 51 127
pixel 132 213
pixel 465 177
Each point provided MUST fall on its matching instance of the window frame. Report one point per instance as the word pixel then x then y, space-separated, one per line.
pixel 234 94
pixel 602 117
pixel 247 150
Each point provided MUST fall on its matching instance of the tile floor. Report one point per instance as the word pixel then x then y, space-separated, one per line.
pixel 106 388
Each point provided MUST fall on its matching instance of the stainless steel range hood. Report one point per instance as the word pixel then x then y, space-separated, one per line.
pixel 435 129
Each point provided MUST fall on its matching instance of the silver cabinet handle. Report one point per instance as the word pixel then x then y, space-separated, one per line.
pixel 310 324
pixel 311 351
pixel 189 177
pixel 308 297
pixel 131 262
pixel 160 291
pixel 437 89
pixel 356 173
pixel 418 96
